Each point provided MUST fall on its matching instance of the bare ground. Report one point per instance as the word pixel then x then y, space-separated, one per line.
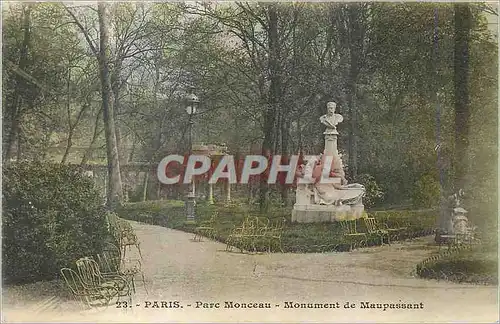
pixel 178 269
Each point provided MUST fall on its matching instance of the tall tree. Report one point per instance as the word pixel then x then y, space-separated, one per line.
pixel 115 192
pixel 102 53
pixel 14 104
pixel 463 21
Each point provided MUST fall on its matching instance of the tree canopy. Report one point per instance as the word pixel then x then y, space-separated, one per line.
pixel 264 73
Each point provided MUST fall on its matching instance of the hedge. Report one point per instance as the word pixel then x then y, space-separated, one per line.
pixel 52 215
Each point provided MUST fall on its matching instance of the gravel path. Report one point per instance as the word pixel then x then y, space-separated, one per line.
pixel 178 269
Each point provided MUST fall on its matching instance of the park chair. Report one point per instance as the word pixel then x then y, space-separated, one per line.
pixel 373 228
pixel 113 220
pixel 110 263
pixel 351 235
pixel 128 238
pixel 88 296
pixel 450 240
pixel 206 228
pixel 249 234
pixel 274 233
pixel 256 235
pixel 470 237
pixel 400 228
pixel 466 239
pixel 91 277
pixel 262 222
pixel 114 226
pixel 240 236
pixel 110 260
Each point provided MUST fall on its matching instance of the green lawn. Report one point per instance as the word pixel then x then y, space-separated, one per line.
pixel 476 265
pixel 316 237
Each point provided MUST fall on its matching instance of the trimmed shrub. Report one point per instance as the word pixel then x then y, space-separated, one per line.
pixel 167 213
pixel 373 195
pixel 52 215
pixel 427 192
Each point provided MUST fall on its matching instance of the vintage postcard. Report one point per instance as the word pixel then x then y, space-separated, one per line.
pixel 250 162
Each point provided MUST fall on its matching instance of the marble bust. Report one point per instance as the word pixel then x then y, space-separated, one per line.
pixel 331 119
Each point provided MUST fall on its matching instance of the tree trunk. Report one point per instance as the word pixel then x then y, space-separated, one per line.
pixel 274 88
pixel 89 150
pixel 353 125
pixel 69 141
pixel 299 128
pixel 132 152
pixel 145 187
pixel 285 126
pixel 116 86
pixel 13 133
pixel 462 113
pixel 115 191
pixel 355 40
pixel 19 145
pixel 277 131
pixel 15 108
pixel 153 183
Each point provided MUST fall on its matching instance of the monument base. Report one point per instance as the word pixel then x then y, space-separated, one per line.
pixel 325 213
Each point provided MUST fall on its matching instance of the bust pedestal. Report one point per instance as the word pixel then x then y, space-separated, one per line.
pixel 325 213
pixel 331 144
pixel 306 211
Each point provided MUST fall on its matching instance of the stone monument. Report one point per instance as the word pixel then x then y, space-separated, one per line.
pixel 453 218
pixel 327 200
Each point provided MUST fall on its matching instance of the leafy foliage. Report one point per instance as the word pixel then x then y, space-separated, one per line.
pixel 374 194
pixel 52 215
pixel 427 192
pixel 389 66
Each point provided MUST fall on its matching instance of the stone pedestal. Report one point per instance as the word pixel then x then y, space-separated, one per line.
pixel 325 213
pixel 331 144
pixel 306 211
pixel 228 192
pixel 210 194
pixel 190 207
pixel 303 195
pixel 458 222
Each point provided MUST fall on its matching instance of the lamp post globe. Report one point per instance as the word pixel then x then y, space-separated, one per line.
pixel 192 103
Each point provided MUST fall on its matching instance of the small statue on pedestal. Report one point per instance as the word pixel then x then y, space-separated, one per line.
pixel 453 219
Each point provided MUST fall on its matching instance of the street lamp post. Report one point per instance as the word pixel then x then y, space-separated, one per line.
pixel 192 102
